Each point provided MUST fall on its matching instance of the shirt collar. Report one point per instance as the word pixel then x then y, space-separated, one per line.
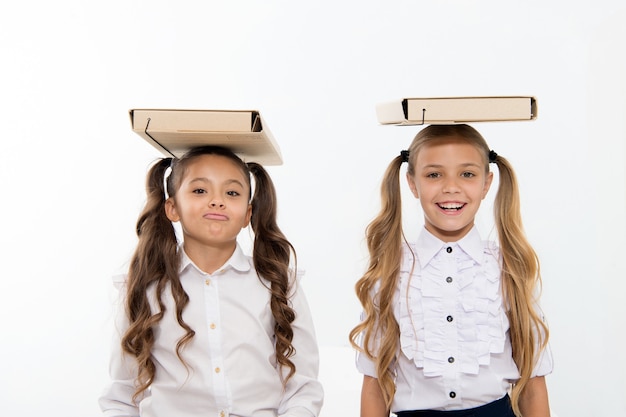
pixel 237 261
pixel 428 246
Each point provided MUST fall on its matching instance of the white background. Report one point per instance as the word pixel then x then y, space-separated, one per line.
pixel 72 171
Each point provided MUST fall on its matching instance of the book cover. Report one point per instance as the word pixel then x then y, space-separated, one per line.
pixel 450 110
pixel 173 132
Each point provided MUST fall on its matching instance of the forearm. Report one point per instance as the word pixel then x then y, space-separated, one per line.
pixel 372 401
pixel 533 400
pixel 304 394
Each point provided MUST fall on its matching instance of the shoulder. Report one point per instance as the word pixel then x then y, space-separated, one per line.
pixel 409 254
pixel 119 280
pixel 240 260
pixel 408 248
pixel 491 249
pixel 295 276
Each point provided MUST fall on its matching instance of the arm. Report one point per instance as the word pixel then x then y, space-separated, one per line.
pixel 372 402
pixel 304 394
pixel 116 399
pixel 533 400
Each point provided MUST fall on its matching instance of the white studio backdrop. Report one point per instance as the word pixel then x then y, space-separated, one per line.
pixel 72 172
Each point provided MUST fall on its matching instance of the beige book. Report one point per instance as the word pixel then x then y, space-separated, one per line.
pixel 174 132
pixel 450 110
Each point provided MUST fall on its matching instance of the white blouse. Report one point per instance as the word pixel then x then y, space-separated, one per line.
pixel 455 350
pixel 232 365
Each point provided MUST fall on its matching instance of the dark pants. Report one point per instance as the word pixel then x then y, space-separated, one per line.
pixel 499 408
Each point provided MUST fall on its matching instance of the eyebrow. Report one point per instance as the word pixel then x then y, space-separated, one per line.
pixel 464 165
pixel 227 182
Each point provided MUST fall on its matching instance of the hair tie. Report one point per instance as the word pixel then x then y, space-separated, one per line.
pixel 405 156
pixel 492 156
pixel 166 175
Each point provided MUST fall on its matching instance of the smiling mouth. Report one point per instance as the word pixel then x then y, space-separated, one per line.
pixel 451 206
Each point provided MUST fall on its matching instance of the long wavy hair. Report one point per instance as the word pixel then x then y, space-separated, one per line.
pixel 520 274
pixel 156 262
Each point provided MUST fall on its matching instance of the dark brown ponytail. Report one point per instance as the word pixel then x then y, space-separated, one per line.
pixel 272 254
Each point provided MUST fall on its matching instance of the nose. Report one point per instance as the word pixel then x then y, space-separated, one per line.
pixel 450 186
pixel 216 203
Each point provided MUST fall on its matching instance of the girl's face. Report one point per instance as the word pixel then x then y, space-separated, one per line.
pixel 450 181
pixel 212 203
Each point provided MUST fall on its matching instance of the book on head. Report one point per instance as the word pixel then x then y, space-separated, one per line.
pixel 451 110
pixel 174 132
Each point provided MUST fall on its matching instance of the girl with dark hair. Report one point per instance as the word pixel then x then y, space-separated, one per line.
pixel 205 329
pixel 451 325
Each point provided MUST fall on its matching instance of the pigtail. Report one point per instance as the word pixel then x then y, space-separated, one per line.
pixel 520 277
pixel 520 267
pixel 384 241
pixel 155 262
pixel 271 256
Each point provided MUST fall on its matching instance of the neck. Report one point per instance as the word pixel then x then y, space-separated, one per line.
pixel 209 258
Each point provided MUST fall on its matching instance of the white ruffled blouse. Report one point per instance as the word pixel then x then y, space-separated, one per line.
pixel 455 347
pixel 452 303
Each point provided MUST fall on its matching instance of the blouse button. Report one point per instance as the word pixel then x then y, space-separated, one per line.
pixel 449 280
pixel 451 359
pixel 217 370
pixel 213 326
pixel 452 394
pixel 207 282
pixel 449 249
pixel 449 318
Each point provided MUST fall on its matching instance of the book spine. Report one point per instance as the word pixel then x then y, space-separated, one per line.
pixel 391 112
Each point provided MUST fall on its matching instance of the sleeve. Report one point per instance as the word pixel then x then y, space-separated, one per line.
pixel 304 394
pixel 364 364
pixel 117 398
pixel 545 364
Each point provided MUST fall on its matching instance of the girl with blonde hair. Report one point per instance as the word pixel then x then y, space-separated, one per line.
pixel 451 324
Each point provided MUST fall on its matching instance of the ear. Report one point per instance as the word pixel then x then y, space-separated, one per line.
pixel 248 216
pixel 488 181
pixel 412 185
pixel 170 210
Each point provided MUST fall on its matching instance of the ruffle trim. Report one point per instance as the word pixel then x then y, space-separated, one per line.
pixel 461 321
